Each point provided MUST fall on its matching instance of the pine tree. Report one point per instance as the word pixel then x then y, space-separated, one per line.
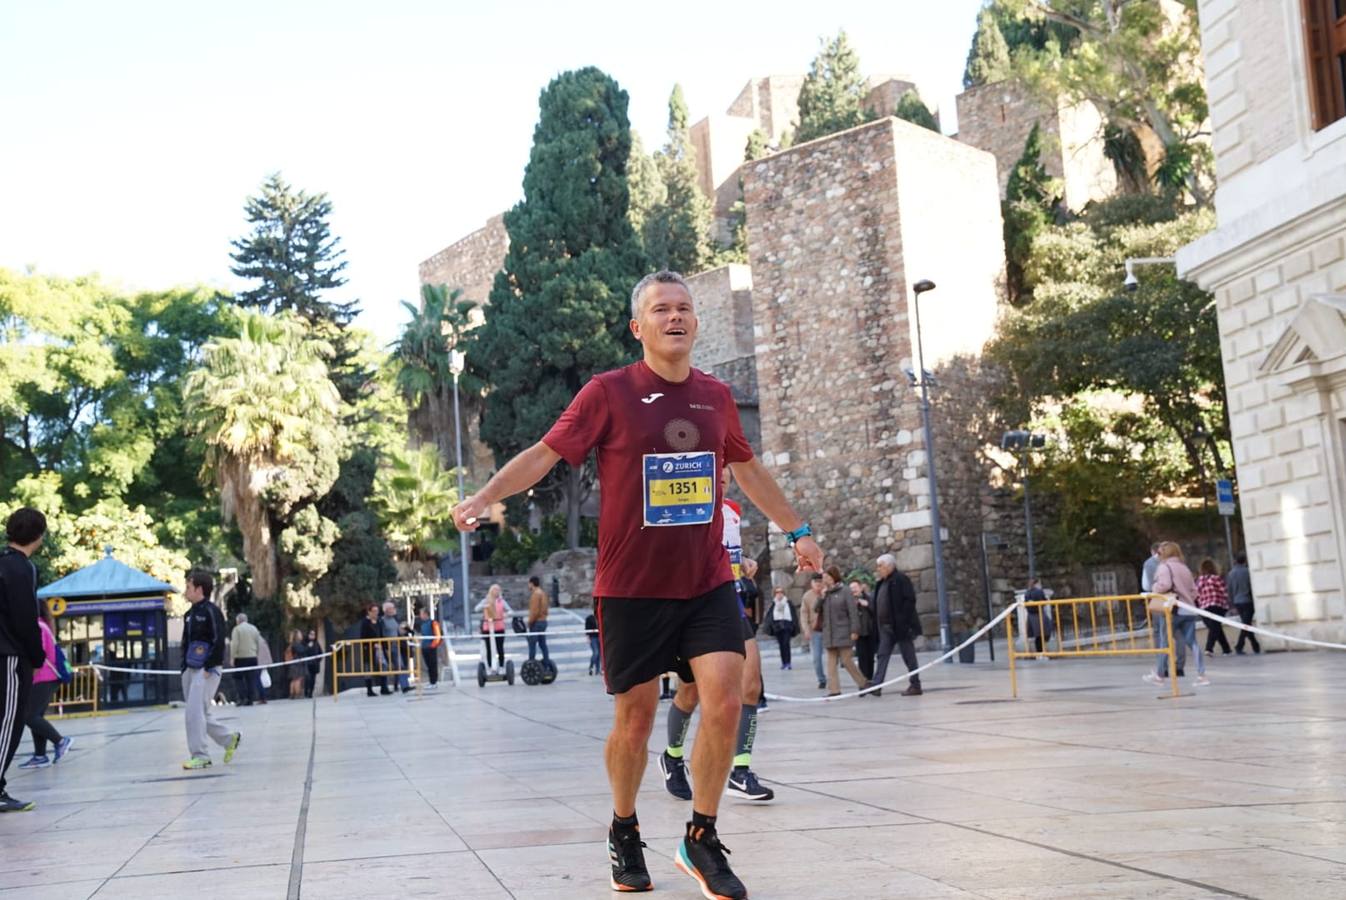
pixel 831 97
pixel 1030 204
pixel 988 60
pixel 292 253
pixel 737 251
pixel 559 308
pixel 911 108
pixel 677 233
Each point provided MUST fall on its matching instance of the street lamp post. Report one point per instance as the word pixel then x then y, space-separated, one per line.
pixel 1200 435
pixel 457 362
pixel 937 539
pixel 1023 440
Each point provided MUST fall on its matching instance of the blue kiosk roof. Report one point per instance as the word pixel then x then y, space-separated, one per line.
pixel 106 578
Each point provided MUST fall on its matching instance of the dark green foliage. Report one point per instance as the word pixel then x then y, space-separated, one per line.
pixel 911 108
pixel 560 306
pixel 362 565
pixel 292 253
pixel 988 60
pixel 516 550
pixel 676 232
pixel 1028 208
pixel 831 97
pixel 756 146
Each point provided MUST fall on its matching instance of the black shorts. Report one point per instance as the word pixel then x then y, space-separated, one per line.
pixel 642 638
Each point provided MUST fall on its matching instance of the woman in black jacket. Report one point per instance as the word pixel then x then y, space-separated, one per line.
pixel 312 665
pixel 370 654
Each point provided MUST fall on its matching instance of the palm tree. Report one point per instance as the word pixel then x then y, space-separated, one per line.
pixel 438 327
pixel 270 417
pixel 414 496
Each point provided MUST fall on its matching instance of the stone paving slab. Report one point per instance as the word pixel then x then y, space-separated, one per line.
pixel 1090 786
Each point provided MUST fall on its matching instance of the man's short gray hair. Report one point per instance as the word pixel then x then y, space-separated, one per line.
pixel 887 559
pixel 241 618
pixel 663 276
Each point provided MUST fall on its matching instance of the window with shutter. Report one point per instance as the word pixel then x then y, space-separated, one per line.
pixel 1325 33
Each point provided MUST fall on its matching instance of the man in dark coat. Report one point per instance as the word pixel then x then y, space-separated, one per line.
pixel 897 623
pixel 20 640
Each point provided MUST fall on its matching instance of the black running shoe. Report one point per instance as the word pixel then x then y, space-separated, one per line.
pixel 629 874
pixel 9 804
pixel 705 861
pixel 744 785
pixel 675 776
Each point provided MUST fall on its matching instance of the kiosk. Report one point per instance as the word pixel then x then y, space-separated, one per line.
pixel 114 615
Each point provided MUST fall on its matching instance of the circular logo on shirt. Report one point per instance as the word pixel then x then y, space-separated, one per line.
pixel 668 467
pixel 682 435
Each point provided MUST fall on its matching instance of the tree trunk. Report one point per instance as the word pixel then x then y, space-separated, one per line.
pixel 573 498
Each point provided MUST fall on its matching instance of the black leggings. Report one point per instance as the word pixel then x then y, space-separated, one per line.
pixel 43 731
pixel 431 657
pixel 783 639
pixel 499 648
pixel 1215 631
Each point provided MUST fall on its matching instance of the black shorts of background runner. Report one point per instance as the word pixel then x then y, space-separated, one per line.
pixel 749 632
pixel 643 638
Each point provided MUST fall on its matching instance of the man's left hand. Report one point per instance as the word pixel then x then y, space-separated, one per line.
pixel 808 554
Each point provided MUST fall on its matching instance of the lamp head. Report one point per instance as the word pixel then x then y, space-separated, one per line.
pixel 925 284
pixel 1131 282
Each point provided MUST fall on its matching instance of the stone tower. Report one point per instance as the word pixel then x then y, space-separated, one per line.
pixel 839 230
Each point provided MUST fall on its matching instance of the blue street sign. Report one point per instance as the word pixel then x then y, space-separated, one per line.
pixel 1224 497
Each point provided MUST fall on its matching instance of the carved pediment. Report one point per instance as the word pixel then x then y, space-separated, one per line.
pixel 1317 332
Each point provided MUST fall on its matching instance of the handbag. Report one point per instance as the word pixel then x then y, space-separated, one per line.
pixel 266 679
pixel 64 674
pixel 199 651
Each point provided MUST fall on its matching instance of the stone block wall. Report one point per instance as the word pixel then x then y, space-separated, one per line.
pixel 471 262
pixel 998 117
pixel 838 230
pixel 772 102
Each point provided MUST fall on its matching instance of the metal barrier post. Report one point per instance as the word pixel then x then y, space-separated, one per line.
pixel 336 664
pixel 1009 640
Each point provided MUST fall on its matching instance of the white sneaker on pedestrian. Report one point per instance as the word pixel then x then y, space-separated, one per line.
pixel 1152 678
pixel 1202 680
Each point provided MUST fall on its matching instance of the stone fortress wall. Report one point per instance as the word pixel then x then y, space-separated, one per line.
pixel 840 229
pixel 815 336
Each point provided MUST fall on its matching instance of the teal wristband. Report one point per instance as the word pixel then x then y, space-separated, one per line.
pixel 802 531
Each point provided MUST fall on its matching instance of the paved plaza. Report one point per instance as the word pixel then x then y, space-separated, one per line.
pixel 1088 786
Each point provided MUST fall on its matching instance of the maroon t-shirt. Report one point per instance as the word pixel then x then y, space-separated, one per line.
pixel 627 414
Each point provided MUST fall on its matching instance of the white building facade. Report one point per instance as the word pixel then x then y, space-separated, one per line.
pixel 1277 267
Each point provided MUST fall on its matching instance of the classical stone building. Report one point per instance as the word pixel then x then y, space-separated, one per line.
pixel 998 117
pixel 1277 267
pixel 839 231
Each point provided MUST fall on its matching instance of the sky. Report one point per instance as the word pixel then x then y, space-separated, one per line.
pixel 135 130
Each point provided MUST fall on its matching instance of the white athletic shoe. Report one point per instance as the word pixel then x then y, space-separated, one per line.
pixel 1154 679
pixel 1202 680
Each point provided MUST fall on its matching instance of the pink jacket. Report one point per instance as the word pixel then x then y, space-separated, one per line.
pixel 47 671
pixel 1173 576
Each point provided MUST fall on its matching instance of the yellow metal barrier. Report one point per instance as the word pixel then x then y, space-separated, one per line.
pixel 386 657
pixel 82 691
pixel 1094 626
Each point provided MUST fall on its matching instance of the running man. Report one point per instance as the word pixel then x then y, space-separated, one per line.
pixel 742 782
pixel 664 590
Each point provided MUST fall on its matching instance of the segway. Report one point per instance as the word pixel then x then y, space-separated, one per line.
pixel 484 676
pixel 536 671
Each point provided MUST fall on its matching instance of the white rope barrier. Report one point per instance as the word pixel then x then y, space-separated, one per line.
pixel 292 662
pixel 905 675
pixel 1253 629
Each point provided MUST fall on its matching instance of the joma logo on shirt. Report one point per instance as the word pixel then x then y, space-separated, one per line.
pixel 650 399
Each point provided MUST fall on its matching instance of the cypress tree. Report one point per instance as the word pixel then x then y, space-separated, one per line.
pixel 677 234
pixel 911 108
pixel 988 60
pixel 831 97
pixel 1030 203
pixel 559 309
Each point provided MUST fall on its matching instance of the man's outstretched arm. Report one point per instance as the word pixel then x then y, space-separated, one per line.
pixel 767 496
pixel 518 475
